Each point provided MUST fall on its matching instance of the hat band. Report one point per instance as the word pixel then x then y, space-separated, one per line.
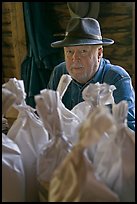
pixel 77 35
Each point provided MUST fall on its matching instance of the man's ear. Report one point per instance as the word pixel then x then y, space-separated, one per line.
pixel 100 53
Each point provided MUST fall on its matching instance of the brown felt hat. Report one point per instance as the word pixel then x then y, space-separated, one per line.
pixel 82 31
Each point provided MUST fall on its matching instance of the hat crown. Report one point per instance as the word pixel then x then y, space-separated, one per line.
pixel 82 31
pixel 84 27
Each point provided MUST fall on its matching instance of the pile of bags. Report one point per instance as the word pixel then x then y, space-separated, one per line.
pixel 58 155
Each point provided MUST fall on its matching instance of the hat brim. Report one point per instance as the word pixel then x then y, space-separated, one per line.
pixel 68 42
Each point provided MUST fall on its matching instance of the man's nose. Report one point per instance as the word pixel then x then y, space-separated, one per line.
pixel 76 56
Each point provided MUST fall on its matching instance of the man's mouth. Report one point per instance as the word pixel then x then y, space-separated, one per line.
pixel 76 66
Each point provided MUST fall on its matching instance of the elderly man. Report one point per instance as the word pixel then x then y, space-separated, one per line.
pixel 84 62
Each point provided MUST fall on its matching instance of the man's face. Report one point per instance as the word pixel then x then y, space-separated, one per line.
pixel 82 62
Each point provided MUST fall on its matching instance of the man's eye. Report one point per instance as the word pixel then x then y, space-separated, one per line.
pixel 69 52
pixel 83 51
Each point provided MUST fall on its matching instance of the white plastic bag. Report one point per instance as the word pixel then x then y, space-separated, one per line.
pixel 94 95
pixel 63 84
pixel 54 152
pixel 13 177
pixel 69 120
pixel 75 179
pixel 29 134
pixel 114 158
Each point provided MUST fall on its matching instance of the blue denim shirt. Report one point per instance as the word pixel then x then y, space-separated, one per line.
pixel 107 73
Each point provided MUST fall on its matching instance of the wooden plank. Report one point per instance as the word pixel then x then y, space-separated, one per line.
pixel 115 8
pixel 116 22
pixel 7 51
pixel 6 7
pixel 6 18
pixel 123 38
pixel 7 41
pixel 8 62
pixel 9 72
pixel 119 22
pixel 123 51
pixel 6 28
pixel 13 38
pixel 18 33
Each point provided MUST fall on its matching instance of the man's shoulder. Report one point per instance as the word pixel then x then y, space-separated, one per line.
pixel 61 68
pixel 113 70
pixel 58 71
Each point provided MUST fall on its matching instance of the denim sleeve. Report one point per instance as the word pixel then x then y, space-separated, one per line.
pixel 53 82
pixel 57 72
pixel 124 91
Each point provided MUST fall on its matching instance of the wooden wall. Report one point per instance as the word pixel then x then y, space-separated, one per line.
pixel 117 20
pixel 13 39
pixel 13 45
